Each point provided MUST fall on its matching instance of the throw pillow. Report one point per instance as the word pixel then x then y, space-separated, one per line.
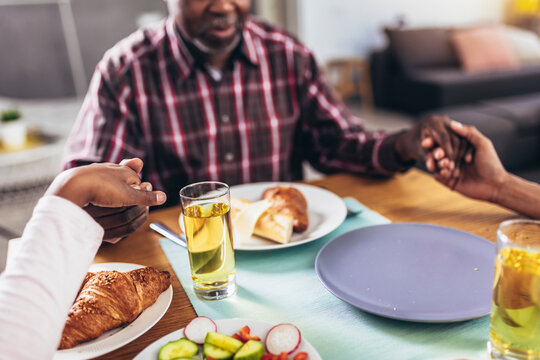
pixel 422 47
pixel 483 49
pixel 525 43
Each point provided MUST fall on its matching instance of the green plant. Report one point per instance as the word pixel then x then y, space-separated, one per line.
pixel 10 115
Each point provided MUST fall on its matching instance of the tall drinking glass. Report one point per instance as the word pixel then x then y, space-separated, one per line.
pixel 515 315
pixel 207 224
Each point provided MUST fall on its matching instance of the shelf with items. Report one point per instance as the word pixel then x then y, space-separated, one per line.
pixel 524 14
pixel 350 77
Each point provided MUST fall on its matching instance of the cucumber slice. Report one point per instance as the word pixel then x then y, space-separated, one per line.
pixel 215 352
pixel 223 341
pixel 181 348
pixel 252 350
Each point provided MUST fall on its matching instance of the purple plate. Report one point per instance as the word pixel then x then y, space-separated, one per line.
pixel 414 272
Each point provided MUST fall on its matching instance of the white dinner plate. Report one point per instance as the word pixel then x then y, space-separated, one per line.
pixel 115 338
pixel 228 327
pixel 326 211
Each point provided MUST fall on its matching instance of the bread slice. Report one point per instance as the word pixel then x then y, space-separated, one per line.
pixel 270 225
pixel 289 201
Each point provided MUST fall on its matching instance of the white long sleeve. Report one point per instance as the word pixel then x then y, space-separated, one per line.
pixel 39 286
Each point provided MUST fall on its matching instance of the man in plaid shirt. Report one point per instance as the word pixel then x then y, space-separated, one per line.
pixel 211 94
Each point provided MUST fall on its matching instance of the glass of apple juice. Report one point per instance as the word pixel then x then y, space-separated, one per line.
pixel 515 314
pixel 207 225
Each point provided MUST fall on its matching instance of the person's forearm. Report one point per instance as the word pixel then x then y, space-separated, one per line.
pixel 42 280
pixel 520 195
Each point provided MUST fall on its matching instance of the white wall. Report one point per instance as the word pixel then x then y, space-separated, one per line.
pixel 333 28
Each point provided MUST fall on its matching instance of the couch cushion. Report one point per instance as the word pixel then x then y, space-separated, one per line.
pixel 453 87
pixel 455 76
pixel 525 44
pixel 482 49
pixel 425 47
pixel 523 110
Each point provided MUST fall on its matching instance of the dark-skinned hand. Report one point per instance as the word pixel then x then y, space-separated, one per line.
pixel 482 173
pixel 430 134
pixel 441 149
pixel 112 194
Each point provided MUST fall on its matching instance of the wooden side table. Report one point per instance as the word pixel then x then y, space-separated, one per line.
pixel 350 77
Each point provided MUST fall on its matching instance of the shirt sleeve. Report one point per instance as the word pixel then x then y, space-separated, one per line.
pixel 107 128
pixel 336 139
pixel 41 282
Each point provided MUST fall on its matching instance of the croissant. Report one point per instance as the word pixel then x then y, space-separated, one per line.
pixel 290 201
pixel 108 299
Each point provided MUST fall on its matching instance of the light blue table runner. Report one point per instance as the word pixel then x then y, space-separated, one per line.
pixel 282 286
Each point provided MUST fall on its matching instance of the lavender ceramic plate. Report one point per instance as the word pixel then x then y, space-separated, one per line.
pixel 414 272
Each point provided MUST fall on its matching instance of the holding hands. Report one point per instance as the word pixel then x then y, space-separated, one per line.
pixel 475 171
pixel 112 194
pixel 433 142
pixel 480 173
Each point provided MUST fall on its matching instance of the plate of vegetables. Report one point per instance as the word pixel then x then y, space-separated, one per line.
pixel 231 339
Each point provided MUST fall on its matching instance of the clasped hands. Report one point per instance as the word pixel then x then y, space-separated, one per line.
pixel 460 157
pixel 446 152
pixel 112 194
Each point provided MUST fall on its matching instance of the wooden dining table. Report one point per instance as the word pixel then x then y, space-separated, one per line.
pixel 410 197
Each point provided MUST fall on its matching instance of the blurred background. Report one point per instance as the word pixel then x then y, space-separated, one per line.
pixel 49 49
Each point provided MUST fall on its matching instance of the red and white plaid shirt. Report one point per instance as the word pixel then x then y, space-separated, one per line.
pixel 152 97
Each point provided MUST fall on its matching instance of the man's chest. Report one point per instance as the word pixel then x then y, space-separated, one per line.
pixel 244 108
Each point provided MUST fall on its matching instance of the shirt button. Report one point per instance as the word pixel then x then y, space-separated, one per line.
pixel 225 119
pixel 229 156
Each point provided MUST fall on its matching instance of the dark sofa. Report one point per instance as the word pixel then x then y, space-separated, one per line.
pixel 419 71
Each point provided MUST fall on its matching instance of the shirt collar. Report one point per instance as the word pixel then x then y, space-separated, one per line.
pixel 247 48
pixel 185 59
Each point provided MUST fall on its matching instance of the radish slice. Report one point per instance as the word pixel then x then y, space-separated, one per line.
pixel 197 329
pixel 283 338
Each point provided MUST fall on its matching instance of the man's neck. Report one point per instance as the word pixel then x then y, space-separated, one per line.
pixel 218 61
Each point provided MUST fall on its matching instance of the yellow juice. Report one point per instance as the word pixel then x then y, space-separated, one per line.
pixel 515 315
pixel 209 239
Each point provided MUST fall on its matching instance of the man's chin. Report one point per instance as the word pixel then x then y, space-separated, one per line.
pixel 217 45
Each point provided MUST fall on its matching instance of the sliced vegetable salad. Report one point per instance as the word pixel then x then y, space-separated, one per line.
pixel 202 340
